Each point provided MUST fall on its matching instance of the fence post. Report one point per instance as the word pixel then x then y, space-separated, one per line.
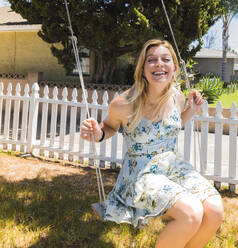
pixel 15 128
pixel 218 145
pixel 204 140
pixel 188 127
pixel 7 116
pixel 33 116
pixel 114 145
pixel 73 121
pixel 1 104
pixel 24 121
pixel 232 148
pixel 103 143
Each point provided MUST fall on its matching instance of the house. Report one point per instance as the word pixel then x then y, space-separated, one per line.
pixel 210 61
pixel 23 52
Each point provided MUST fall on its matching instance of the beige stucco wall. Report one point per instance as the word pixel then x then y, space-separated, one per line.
pixel 207 65
pixel 24 52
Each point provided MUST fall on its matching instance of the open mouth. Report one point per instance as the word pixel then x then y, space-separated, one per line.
pixel 159 73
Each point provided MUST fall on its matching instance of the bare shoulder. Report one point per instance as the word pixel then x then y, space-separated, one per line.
pixel 121 104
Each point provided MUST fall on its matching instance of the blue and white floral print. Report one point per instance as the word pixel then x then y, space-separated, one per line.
pixel 153 175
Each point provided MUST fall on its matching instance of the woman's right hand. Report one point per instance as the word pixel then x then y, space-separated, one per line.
pixel 88 127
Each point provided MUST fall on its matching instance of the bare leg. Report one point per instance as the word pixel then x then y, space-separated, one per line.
pixel 187 216
pixel 213 215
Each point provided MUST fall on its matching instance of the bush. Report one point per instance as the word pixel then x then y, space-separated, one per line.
pixel 211 88
pixel 231 88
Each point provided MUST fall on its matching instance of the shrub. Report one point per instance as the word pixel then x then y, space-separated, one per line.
pixel 231 88
pixel 211 88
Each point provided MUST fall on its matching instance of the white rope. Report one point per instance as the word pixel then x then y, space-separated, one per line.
pixel 101 192
pixel 184 69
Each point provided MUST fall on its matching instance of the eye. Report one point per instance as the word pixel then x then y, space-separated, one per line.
pixel 166 60
pixel 151 60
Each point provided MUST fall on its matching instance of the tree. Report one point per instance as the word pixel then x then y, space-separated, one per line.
pixel 229 10
pixel 209 39
pixel 112 28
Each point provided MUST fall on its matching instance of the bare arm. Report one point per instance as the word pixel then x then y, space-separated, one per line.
pixel 188 112
pixel 117 115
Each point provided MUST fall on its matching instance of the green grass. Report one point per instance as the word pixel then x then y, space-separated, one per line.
pixel 227 100
pixel 52 209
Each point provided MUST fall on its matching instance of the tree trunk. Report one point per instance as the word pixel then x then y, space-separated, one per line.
pixel 99 69
pixel 108 70
pixel 104 69
pixel 225 36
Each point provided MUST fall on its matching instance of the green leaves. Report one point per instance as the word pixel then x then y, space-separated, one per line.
pixel 211 88
pixel 115 28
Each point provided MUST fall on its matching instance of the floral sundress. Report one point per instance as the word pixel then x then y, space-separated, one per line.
pixel 153 174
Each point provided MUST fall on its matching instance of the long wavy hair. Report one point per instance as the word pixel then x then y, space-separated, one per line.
pixel 139 90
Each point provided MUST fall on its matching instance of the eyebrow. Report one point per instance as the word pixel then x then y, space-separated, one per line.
pixel 164 54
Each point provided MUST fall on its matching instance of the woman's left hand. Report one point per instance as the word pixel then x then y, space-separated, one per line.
pixel 195 96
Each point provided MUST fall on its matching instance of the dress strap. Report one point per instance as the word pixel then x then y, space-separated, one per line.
pixel 175 96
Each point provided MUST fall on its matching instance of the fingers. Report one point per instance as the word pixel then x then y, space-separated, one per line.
pixel 88 127
pixel 196 97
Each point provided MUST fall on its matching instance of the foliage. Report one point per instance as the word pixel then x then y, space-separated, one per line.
pixel 113 28
pixel 210 88
pixel 181 77
pixel 227 100
pixel 231 87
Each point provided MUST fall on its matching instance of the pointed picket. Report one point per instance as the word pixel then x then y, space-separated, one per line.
pixel 44 120
pixel 72 128
pixel 53 123
pixel 16 115
pixel 83 116
pixel 204 139
pixel 218 143
pixel 7 115
pixel 24 122
pixel 94 114
pixel 63 119
pixel 103 116
pixel 233 147
pixel 114 145
pixel 1 105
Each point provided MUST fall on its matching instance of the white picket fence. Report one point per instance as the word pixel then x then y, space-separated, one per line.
pixel 50 127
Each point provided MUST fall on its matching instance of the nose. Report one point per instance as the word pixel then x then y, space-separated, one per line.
pixel 159 62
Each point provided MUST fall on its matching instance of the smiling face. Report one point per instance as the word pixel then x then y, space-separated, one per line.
pixel 159 67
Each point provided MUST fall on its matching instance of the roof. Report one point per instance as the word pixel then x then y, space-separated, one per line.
pixel 11 21
pixel 9 17
pixel 213 53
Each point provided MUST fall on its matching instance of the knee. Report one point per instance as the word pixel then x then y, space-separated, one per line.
pixel 213 210
pixel 194 214
pixel 191 212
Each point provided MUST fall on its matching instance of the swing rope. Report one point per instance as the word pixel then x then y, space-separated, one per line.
pixel 101 192
pixel 187 82
pixel 80 74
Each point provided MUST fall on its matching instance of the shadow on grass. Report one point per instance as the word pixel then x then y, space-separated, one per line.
pixel 229 194
pixel 61 206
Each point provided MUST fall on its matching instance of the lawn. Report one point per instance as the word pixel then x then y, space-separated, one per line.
pixel 45 204
pixel 227 100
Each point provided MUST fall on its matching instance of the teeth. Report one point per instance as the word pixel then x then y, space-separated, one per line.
pixel 159 73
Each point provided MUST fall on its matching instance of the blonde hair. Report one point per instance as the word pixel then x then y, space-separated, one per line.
pixel 140 88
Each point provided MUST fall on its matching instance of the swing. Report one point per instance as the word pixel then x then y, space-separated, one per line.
pixel 99 207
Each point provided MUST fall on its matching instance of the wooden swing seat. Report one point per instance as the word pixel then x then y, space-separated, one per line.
pixel 98 209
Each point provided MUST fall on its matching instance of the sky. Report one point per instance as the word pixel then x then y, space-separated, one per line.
pixel 216 30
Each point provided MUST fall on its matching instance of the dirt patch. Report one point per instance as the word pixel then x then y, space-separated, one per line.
pixel 16 168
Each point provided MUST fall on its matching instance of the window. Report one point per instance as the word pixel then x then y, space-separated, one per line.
pixel 84 55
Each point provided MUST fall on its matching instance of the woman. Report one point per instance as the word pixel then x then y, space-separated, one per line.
pixel 154 180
